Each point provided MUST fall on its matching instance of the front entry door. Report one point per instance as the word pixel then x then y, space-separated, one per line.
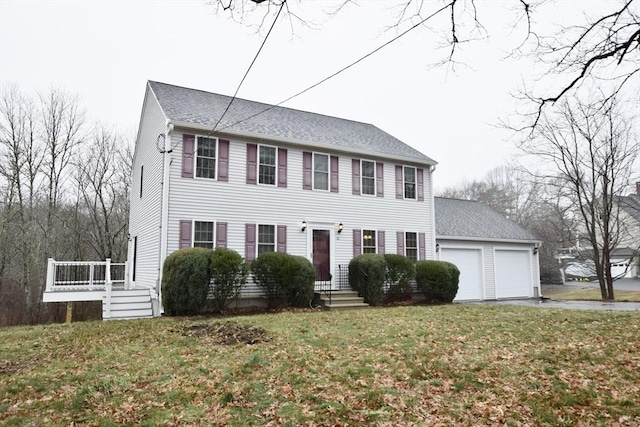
pixel 322 254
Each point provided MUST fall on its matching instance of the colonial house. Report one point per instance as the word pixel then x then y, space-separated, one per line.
pixel 212 171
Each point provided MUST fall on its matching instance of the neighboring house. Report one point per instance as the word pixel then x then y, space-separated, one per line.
pixel 271 179
pixel 497 258
pixel 626 258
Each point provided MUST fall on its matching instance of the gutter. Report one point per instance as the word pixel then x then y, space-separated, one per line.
pixel 164 210
pixel 488 239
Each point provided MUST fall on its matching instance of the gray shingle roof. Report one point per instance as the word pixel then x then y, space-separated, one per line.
pixel 468 218
pixel 631 205
pixel 204 108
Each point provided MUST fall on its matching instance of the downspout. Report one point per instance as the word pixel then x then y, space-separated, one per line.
pixel 436 255
pixel 164 212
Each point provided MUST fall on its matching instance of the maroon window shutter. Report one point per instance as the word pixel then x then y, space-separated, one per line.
pixel 399 183
pixel 380 179
pixel 334 174
pixel 250 242
pixel 421 248
pixel 223 160
pixel 380 236
pixel 282 238
pixel 357 242
pixel 282 167
pixel 188 148
pixel 252 163
pixel 185 233
pixel 420 179
pixel 355 175
pixel 306 170
pixel 221 235
pixel 400 238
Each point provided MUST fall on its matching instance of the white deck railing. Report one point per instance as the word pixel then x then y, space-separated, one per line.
pixel 68 276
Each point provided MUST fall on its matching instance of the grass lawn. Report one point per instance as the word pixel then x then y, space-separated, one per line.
pixel 416 365
pixel 594 294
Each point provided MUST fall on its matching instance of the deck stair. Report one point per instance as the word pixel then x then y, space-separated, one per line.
pixel 127 304
pixel 341 300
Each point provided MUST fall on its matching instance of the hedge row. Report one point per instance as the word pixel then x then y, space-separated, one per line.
pixel 389 277
pixel 192 275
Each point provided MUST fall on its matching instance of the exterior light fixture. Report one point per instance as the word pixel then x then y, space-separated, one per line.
pixel 340 228
pixel 437 247
pixel 303 226
pixel 535 250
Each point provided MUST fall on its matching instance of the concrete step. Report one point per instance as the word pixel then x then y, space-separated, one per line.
pixel 341 300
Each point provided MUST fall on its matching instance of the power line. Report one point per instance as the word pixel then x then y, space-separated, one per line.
pixel 344 68
pixel 248 69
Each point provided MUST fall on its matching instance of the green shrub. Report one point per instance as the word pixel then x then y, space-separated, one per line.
pixel 438 280
pixel 228 276
pixel 366 276
pixel 400 272
pixel 185 281
pixel 285 279
pixel 300 287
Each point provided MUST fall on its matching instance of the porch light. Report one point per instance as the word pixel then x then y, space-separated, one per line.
pixel 535 250
pixel 340 227
pixel 303 226
pixel 437 247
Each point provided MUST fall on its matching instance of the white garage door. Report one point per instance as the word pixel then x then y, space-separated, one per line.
pixel 469 262
pixel 513 274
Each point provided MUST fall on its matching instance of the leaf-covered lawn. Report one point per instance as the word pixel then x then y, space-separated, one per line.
pixel 419 365
pixel 595 295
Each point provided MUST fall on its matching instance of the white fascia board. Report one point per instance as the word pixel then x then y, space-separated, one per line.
pixel 314 146
pixel 488 239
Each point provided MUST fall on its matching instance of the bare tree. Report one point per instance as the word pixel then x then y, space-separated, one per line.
pixel 103 175
pixel 592 151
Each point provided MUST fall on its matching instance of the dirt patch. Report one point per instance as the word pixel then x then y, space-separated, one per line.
pixel 227 333
pixel 8 367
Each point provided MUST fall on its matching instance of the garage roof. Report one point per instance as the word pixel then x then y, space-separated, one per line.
pixel 476 220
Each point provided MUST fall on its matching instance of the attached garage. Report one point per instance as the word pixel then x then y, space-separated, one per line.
pixel 469 262
pixel 496 257
pixel 513 273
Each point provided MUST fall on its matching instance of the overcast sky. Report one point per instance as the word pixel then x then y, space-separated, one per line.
pixel 105 51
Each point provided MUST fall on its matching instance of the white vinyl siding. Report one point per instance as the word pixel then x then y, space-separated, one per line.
pixel 237 203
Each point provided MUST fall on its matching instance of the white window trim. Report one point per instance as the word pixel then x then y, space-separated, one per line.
pixel 375 231
pixel 275 182
pixel 275 236
pixel 375 178
pixel 415 183
pixel 195 158
pixel 193 230
pixel 313 172
pixel 417 247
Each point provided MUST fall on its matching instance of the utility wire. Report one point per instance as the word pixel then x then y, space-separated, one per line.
pixel 248 69
pixel 344 68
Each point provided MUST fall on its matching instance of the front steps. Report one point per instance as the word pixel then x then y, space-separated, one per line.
pixel 127 304
pixel 341 300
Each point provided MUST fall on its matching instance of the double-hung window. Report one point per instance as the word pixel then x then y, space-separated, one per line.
pixel 267 165
pixel 411 246
pixel 266 239
pixel 368 176
pixel 206 157
pixel 203 234
pixel 409 182
pixel 368 242
pixel 320 171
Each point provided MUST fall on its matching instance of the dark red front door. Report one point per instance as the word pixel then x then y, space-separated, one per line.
pixel 322 254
